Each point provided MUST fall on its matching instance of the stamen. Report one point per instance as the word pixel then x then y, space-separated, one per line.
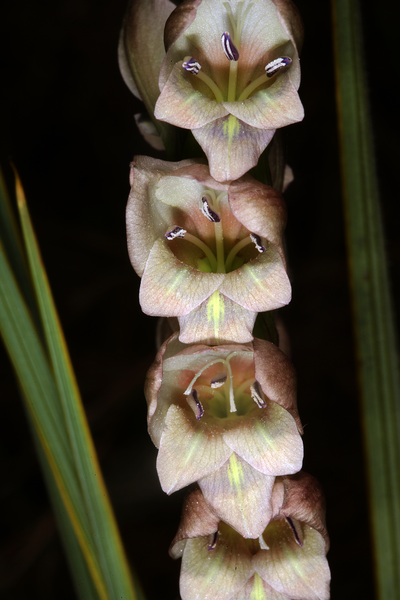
pixel 195 404
pixel 236 248
pixel 213 542
pixel 296 533
pixel 277 65
pixel 257 242
pixel 263 544
pixel 229 48
pixel 176 232
pixel 208 211
pixel 258 395
pixel 231 394
pixel 219 379
pixel 199 373
pixel 192 66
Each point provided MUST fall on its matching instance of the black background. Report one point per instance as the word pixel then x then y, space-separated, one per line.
pixel 66 121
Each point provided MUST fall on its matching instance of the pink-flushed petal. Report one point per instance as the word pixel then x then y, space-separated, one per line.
pixel 141 54
pixel 146 218
pixel 148 130
pixel 215 574
pixel 263 212
pixel 217 320
pixel 299 572
pixel 277 377
pixel 182 105
pixel 197 520
pixel 291 21
pixel 188 450
pixel 257 589
pixel 261 284
pixel 182 17
pixel 268 440
pixel 231 146
pixel 154 377
pixel 171 288
pixel 276 106
pixel 240 496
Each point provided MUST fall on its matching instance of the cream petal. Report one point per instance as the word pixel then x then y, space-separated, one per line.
pixel 149 131
pixel 171 288
pixel 276 106
pixel 214 574
pixel 299 572
pixel 259 285
pixel 182 105
pixel 217 320
pixel 268 441
pixel 201 450
pixel 257 589
pixel 232 147
pixel 240 496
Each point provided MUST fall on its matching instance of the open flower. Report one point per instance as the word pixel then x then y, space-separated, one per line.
pixel 225 416
pixel 208 253
pixel 231 75
pixel 287 561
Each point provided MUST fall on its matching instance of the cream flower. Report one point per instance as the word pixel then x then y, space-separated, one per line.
pixel 231 75
pixel 208 253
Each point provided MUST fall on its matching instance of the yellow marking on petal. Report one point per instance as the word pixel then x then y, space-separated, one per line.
pixel 231 128
pixel 235 475
pixel 257 591
pixel 257 279
pixel 176 282
pixel 216 311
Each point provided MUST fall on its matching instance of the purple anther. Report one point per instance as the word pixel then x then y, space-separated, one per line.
pixel 214 542
pixel 277 65
pixel 208 211
pixel 257 242
pixel 296 535
pixel 176 232
pixel 229 48
pixel 257 394
pixel 195 404
pixel 219 379
pixel 192 66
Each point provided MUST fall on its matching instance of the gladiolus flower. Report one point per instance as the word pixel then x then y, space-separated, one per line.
pixel 231 75
pixel 225 416
pixel 208 253
pixel 287 561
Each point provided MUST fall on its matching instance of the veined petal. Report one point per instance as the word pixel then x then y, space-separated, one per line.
pixel 188 450
pixel 257 589
pixel 171 288
pixel 217 320
pixel 261 284
pixel 182 105
pixel 268 440
pixel 232 146
pixel 276 106
pixel 240 496
pixel 299 572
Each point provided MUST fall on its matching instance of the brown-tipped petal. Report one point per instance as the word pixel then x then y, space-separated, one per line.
pixel 182 17
pixel 261 284
pixel 217 574
pixel 171 288
pixel 268 441
pixel 299 572
pixel 240 496
pixel 181 105
pixel 201 450
pixel 232 147
pixel 277 376
pixel 148 130
pixel 217 318
pixel 277 106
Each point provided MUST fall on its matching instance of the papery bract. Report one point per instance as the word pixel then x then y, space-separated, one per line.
pixel 225 416
pixel 233 107
pixel 212 272
pixel 287 561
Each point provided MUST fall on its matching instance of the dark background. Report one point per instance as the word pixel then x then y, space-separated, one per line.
pixel 66 121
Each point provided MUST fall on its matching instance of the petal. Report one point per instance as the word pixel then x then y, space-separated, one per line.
pixel 268 441
pixel 182 105
pixel 240 496
pixel 299 572
pixel 171 288
pixel 215 574
pixel 201 450
pixel 261 284
pixel 257 589
pixel 217 320
pixel 232 147
pixel 276 106
pixel 148 130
